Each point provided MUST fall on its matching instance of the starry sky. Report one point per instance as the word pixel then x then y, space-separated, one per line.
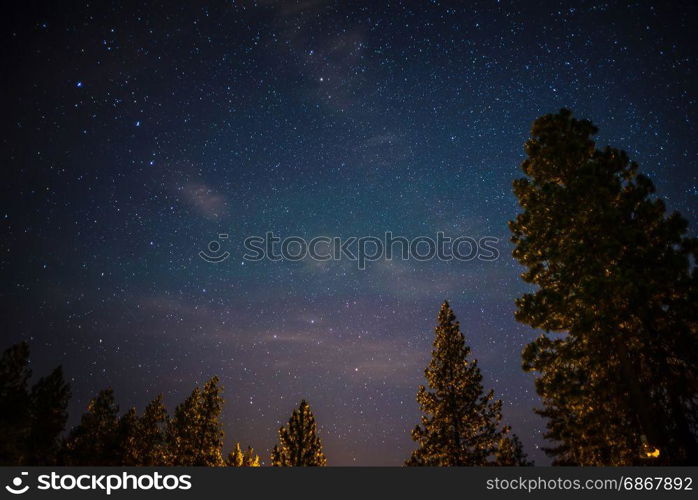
pixel 134 133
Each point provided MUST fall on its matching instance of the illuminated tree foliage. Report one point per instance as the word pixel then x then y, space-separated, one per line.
pixel 148 442
pixel 615 284
pixel 510 452
pixel 299 444
pixel 195 435
pixel 31 421
pixel 239 458
pixel 460 422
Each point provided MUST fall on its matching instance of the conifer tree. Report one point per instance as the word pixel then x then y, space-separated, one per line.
pixel 460 422
pixel 95 441
pixel 48 415
pixel 239 458
pixel 149 439
pixel 182 431
pixel 14 403
pixel 616 294
pixel 299 444
pixel 194 433
pixel 510 452
pixel 31 421
pixel 126 438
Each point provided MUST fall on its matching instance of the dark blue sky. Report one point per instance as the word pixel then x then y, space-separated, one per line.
pixel 134 134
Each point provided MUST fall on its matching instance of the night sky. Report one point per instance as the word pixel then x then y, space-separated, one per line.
pixel 134 134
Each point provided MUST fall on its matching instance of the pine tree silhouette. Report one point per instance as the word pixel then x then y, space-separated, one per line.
pixel 614 279
pixel 14 403
pixel 96 439
pixel 195 435
pixel 299 444
pixel 49 399
pixel 149 443
pixel 460 422
pixel 31 420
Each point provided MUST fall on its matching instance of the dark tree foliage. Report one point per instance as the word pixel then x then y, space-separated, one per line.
pixel 97 439
pixel 616 283
pixel 193 437
pixel 31 420
pixel 460 423
pixel 14 403
pixel 126 438
pixel 48 415
pixel 299 444
pixel 104 438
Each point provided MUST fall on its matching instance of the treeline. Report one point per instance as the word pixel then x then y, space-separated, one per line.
pixel 32 421
pixel 461 423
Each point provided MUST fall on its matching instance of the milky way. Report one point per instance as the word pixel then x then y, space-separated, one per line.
pixel 133 135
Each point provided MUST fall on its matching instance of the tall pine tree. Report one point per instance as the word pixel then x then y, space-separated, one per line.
pixel 95 441
pixel 149 447
pixel 461 423
pixel 14 403
pixel 126 438
pixel 299 444
pixel 48 415
pixel 616 284
pixel 195 434
pixel 31 420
